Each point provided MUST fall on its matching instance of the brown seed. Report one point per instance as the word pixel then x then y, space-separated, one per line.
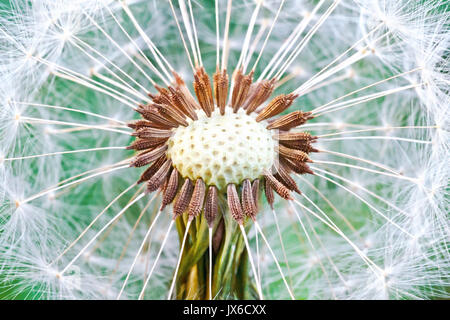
pixel 268 191
pixel 198 196
pixel 173 115
pixel 152 133
pixel 218 235
pixel 146 157
pixel 234 204
pixel 163 97
pixel 241 87
pixel 159 177
pixel 171 189
pixel 185 93
pixel 255 192
pixel 142 144
pixel 300 145
pixel 297 167
pixel 248 202
pixel 284 177
pixel 183 199
pixel 290 120
pixel 276 106
pixel 220 80
pixel 202 88
pixel 211 205
pixel 293 154
pixel 261 93
pixel 151 114
pixel 139 124
pixel 277 186
pixel 152 169
pixel 180 100
pixel 295 136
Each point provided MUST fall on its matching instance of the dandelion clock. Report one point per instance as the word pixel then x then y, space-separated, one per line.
pixel 227 149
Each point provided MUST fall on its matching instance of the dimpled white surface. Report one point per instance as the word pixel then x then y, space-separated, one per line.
pixel 222 149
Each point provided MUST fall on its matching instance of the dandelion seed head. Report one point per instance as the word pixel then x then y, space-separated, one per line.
pixel 396 216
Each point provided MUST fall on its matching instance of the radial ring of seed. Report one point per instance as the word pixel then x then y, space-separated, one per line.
pixel 219 148
pixel 222 149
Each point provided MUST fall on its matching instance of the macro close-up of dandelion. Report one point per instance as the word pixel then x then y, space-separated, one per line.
pixel 224 149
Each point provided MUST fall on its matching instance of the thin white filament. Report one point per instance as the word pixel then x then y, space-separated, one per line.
pixel 72 183
pixel 137 255
pixel 172 286
pixel 141 295
pixel 250 257
pixel 64 152
pixel 210 234
pixel 33 104
pixel 368 204
pixel 275 259
pixel 92 222
pixel 139 197
pixel 64 123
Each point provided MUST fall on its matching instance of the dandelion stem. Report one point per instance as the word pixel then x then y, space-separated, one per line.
pixel 254 44
pixel 336 269
pixel 126 161
pixel 121 86
pixel 83 80
pixel 88 85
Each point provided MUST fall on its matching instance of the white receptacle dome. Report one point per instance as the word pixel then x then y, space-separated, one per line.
pixel 222 149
